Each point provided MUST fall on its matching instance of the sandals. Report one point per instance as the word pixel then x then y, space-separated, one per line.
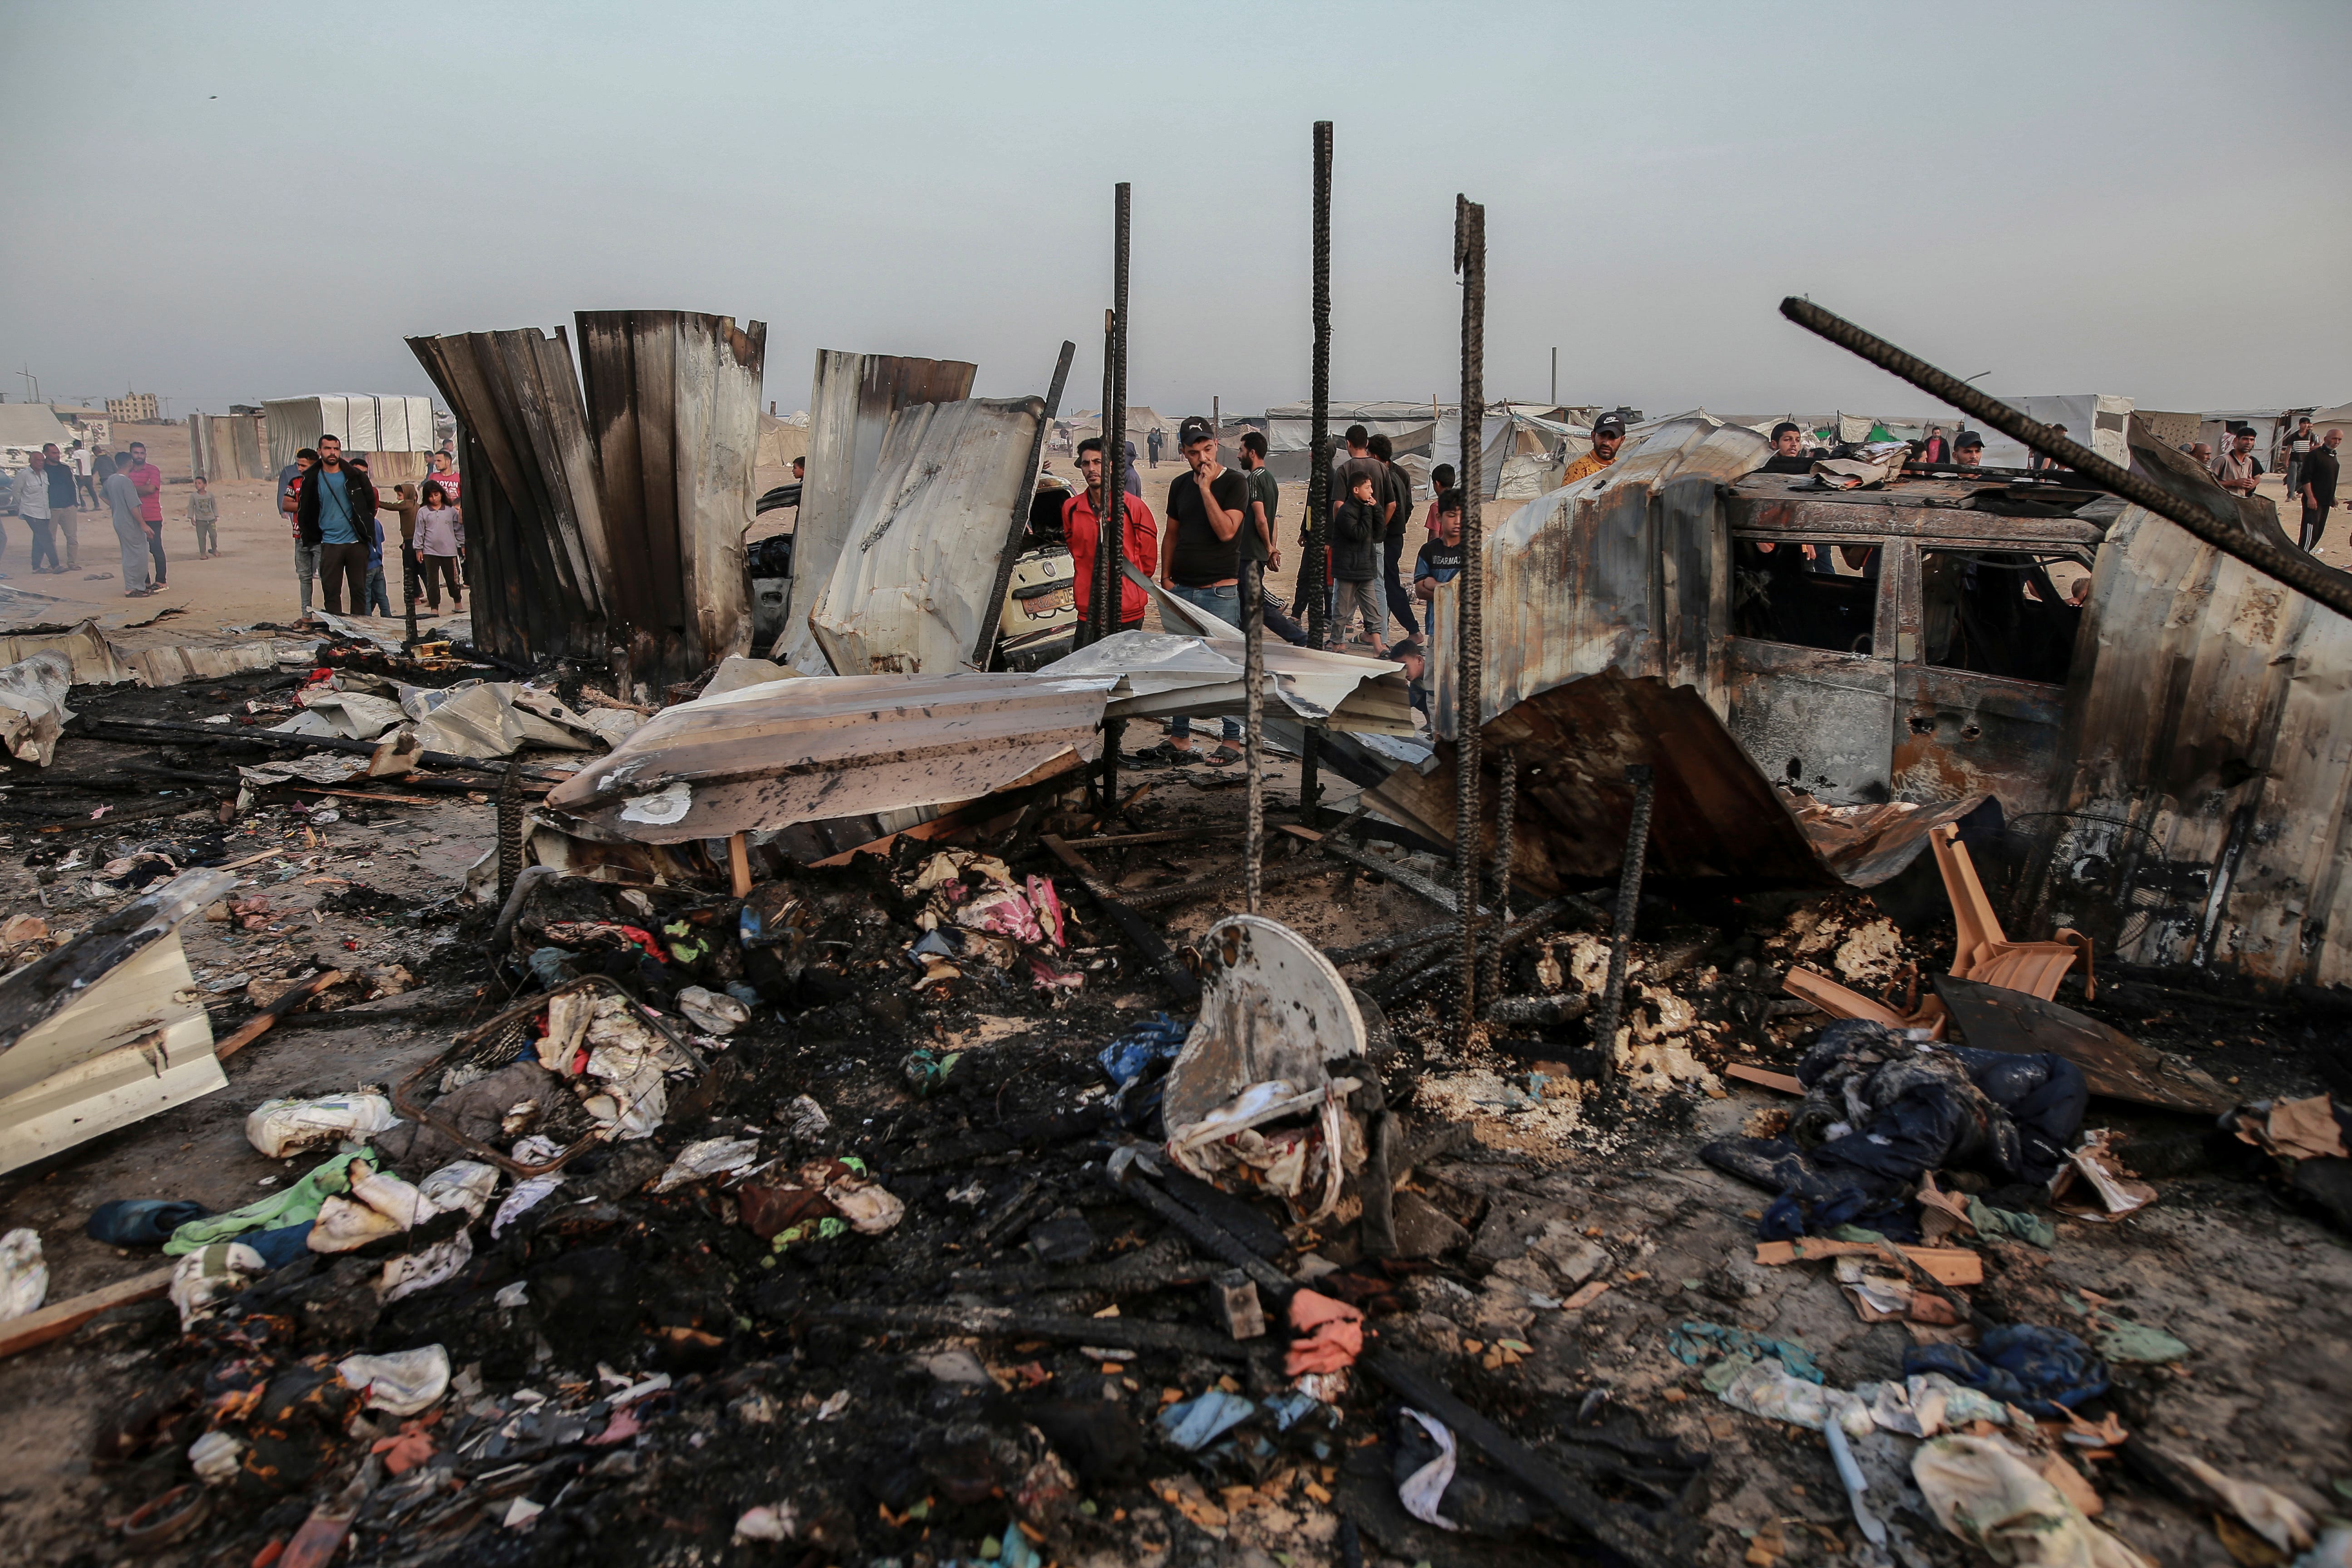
pixel 1226 755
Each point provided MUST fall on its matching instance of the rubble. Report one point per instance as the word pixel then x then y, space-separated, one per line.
pixel 831 1130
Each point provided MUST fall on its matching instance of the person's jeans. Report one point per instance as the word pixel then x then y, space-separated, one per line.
pixel 132 538
pixel 155 551
pixel 1399 602
pixel 306 568
pixel 1225 604
pixel 2293 474
pixel 44 545
pixel 339 565
pixel 379 603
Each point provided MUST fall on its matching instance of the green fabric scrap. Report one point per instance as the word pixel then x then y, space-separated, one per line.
pixel 294 1206
pixel 1856 1233
pixel 2010 1223
pixel 2120 1339
pixel 1695 1342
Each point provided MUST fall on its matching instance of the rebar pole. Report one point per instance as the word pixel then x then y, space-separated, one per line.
pixel 1110 530
pixel 1090 625
pixel 1470 260
pixel 1311 569
pixel 1629 907
pixel 2293 567
pixel 1505 803
pixel 1254 723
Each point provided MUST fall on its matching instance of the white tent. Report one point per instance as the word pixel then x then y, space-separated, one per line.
pixel 1290 428
pixel 1521 453
pixel 26 427
pixel 2098 420
pixel 361 422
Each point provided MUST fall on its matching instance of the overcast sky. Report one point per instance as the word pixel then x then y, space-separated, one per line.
pixel 230 202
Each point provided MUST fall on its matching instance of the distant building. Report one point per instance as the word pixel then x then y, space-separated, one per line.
pixel 134 408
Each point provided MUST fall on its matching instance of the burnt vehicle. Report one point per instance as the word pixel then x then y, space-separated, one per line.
pixel 2160 724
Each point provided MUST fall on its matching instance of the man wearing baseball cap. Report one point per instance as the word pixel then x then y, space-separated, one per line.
pixel 1968 450
pixel 1608 435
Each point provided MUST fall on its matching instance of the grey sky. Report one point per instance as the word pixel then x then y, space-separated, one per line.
pixel 230 202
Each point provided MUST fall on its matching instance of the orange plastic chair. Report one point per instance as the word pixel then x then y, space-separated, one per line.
pixel 1982 954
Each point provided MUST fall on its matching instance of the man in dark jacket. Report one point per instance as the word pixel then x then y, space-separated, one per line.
pixel 336 514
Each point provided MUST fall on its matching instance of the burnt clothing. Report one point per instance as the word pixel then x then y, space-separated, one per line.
pixel 1779 464
pixel 1201 558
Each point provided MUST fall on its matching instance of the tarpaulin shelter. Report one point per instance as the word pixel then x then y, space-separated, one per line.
pixel 2098 420
pixel 383 427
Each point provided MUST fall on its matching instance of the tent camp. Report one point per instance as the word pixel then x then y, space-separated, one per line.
pixel 395 432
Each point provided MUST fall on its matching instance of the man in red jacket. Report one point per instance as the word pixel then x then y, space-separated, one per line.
pixel 1081 526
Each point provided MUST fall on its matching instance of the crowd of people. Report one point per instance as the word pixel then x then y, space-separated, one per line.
pixel 338 531
pixel 335 513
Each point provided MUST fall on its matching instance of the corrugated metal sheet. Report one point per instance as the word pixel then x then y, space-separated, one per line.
pixel 673 401
pixel 916 581
pixel 1162 672
pixel 2205 770
pixel 534 519
pixel 225 448
pixel 623 531
pixel 1625 570
pixel 766 757
pixel 1714 814
pixel 850 405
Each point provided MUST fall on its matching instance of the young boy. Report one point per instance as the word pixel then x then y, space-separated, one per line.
pixel 1356 531
pixel 203 510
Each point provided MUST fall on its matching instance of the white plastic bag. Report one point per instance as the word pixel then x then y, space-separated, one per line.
pixel 24 1276
pixel 402 1384
pixel 713 1011
pixel 280 1127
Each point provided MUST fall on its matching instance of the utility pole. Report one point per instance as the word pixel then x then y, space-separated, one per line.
pixel 32 385
pixel 1555 375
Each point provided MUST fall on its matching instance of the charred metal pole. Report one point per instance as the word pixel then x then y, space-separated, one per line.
pixel 1311 570
pixel 1506 802
pixel 1254 723
pixel 1629 906
pixel 1470 260
pixel 1110 530
pixel 2293 567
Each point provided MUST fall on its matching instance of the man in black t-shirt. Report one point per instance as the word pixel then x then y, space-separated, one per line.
pixel 1199 558
pixel 2318 493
